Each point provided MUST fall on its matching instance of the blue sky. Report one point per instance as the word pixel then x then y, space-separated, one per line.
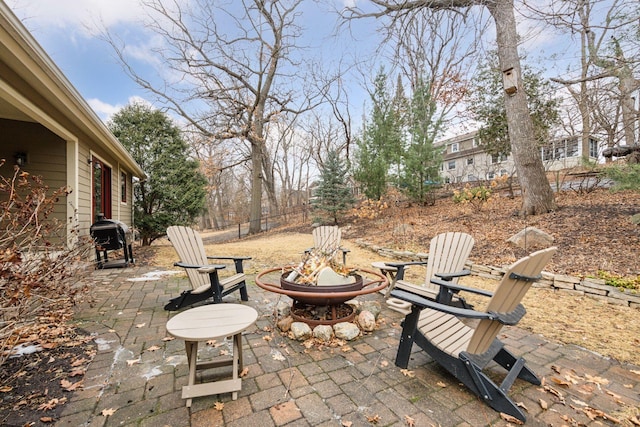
pixel 67 30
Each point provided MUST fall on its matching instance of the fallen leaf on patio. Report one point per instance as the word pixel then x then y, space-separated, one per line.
pixel 410 421
pixel 108 412
pixel 153 348
pixel 168 338
pixel 345 348
pixel 77 371
pixel 46 419
pixel 347 424
pixel 51 404
pixel 218 406
pixel 132 362
pixel 267 329
pixel 267 338
pixel 384 363
pixel 111 330
pixel 69 386
pixel 407 373
pixel 555 392
pixel 211 342
pixel 615 396
pixel 555 369
pixel 628 385
pixel 560 382
pixel 635 421
pixel 140 325
pixel 510 419
pixel 579 402
pixel 79 362
pixel 635 371
pixel 5 389
pixel 224 352
pixel 543 404
pixel 374 419
pixel 522 405
pixel 596 379
pixel 244 372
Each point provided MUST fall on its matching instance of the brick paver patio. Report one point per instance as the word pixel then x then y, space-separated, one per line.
pixel 137 375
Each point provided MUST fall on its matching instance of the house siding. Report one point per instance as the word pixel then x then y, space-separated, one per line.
pixel 46 156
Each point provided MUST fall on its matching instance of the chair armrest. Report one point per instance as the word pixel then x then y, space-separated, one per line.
pixel 423 303
pixel 237 261
pixel 457 288
pixel 401 267
pixel 511 318
pixel 451 276
pixel 201 268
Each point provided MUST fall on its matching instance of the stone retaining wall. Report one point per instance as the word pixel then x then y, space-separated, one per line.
pixel 590 287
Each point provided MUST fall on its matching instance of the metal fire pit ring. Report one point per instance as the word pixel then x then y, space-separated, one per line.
pixel 380 281
pixel 308 296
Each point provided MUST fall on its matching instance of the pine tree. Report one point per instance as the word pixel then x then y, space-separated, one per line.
pixel 422 160
pixel 381 142
pixel 173 193
pixel 333 195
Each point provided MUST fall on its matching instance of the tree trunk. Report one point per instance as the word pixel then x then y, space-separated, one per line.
pixel 537 196
pixel 255 207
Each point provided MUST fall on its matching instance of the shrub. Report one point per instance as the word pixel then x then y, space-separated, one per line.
pixel 37 265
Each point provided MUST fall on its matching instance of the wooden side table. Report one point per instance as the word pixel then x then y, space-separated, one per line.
pixel 205 323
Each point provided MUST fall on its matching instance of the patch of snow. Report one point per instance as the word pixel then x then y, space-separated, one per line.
pixel 153 275
pixel 22 349
pixel 103 344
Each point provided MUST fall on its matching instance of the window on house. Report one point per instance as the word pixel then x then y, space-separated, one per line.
pixel 491 175
pixel 572 147
pixel 470 161
pixel 593 148
pixel 455 147
pixel 123 187
pixel 471 178
pixel 497 158
pixel 101 178
pixel 451 165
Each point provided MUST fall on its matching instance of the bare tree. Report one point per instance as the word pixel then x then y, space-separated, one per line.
pixel 537 196
pixel 600 26
pixel 227 80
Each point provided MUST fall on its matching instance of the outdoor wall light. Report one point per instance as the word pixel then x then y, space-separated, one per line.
pixel 20 159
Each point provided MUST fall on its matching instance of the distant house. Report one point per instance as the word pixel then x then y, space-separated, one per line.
pixel 48 128
pixel 465 160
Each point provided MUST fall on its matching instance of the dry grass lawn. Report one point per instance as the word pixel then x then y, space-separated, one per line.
pixel 609 330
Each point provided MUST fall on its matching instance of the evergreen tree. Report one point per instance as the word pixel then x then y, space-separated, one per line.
pixel 380 144
pixel 333 195
pixel 174 191
pixel 422 160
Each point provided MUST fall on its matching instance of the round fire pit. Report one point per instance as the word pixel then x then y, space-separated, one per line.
pixel 321 295
pixel 330 297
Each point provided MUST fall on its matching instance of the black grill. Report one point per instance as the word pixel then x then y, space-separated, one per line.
pixel 111 235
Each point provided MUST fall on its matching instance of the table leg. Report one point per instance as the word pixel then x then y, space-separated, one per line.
pixel 192 357
pixel 237 360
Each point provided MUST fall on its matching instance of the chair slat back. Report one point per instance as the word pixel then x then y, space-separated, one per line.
pixel 507 296
pixel 326 238
pixel 448 253
pixel 188 244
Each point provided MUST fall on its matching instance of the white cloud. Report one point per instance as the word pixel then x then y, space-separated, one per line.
pixel 78 16
pixel 103 110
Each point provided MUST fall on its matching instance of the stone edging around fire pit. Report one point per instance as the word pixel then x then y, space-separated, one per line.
pixel 590 287
pixel 365 321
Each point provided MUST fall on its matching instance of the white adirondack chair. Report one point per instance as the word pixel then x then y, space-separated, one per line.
pixel 204 278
